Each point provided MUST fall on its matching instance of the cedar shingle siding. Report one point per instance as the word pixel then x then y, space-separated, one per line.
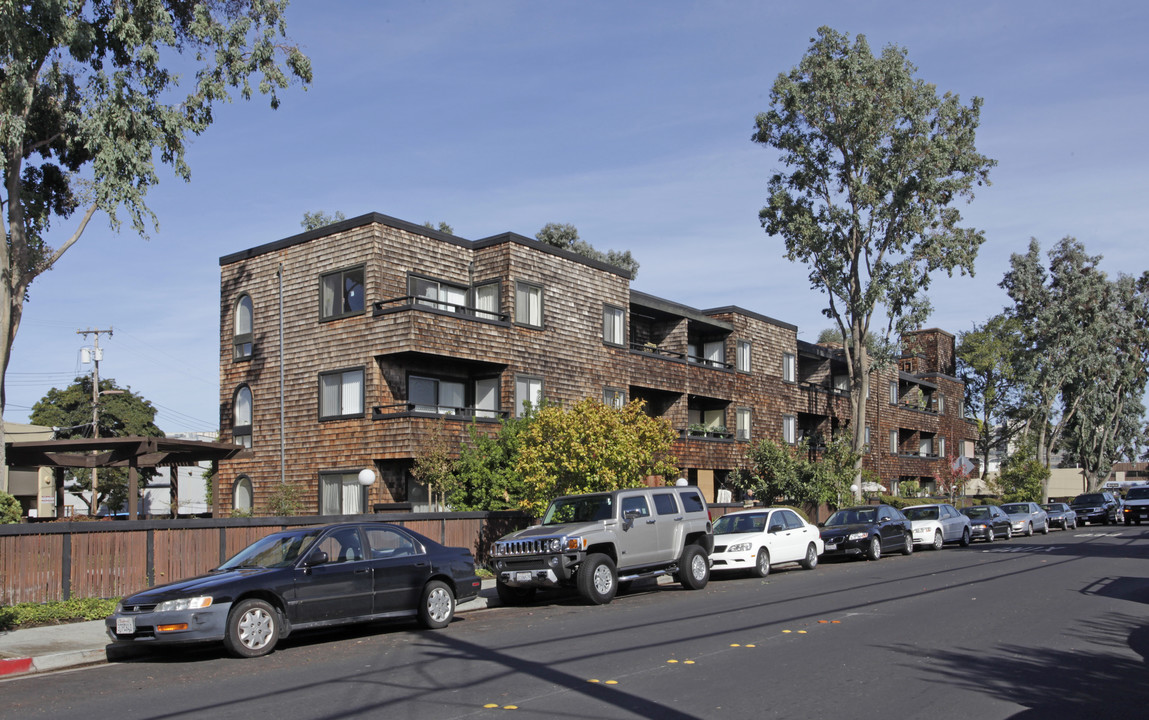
pixel 681 360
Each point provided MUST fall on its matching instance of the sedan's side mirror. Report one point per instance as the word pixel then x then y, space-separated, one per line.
pixel 316 558
pixel 884 518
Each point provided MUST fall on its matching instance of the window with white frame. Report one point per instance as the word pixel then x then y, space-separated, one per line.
pixel 341 293
pixel 528 304
pixel 243 333
pixel 893 392
pixel 613 397
pixel 613 325
pixel 743 357
pixel 742 423
pixel 941 447
pixel 941 403
pixel 241 419
pixel 341 393
pixel 790 429
pixel 528 389
pixel 241 494
pixel 789 367
pixel 341 494
pixel 894 442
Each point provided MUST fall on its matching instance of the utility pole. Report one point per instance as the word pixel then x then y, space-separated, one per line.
pixel 96 357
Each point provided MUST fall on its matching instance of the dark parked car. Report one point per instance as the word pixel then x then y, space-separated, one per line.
pixel 1094 507
pixel 988 522
pixel 303 578
pixel 1061 515
pixel 868 530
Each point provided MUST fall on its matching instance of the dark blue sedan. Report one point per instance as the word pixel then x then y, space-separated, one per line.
pixel 304 578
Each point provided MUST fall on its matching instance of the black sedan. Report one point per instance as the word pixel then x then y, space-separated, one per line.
pixel 303 578
pixel 988 522
pixel 869 531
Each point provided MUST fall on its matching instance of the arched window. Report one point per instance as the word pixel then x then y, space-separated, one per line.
pixel 241 494
pixel 241 417
pixel 243 321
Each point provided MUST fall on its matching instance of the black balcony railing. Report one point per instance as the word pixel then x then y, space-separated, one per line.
pixel 379 412
pixel 414 302
pixel 656 350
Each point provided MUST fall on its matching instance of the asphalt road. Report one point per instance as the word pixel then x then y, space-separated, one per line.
pixel 1050 626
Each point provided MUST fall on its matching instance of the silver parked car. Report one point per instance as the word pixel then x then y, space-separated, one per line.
pixel 1027 517
pixel 935 525
pixel 1061 515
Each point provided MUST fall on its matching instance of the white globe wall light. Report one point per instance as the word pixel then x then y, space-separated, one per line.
pixel 366 477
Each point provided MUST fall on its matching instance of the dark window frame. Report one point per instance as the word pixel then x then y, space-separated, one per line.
pixel 343 273
pixel 363 395
pixel 243 344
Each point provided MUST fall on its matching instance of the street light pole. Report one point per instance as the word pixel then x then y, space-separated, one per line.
pixel 94 507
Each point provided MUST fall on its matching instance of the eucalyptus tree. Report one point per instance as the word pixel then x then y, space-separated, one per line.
pixel 875 160
pixel 1062 315
pixel 987 358
pixel 90 99
pixel 1107 414
pixel 565 236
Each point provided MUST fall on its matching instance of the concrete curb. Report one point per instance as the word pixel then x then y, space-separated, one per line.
pixel 39 650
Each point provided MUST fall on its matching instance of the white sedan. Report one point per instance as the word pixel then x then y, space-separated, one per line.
pixel 935 525
pixel 755 540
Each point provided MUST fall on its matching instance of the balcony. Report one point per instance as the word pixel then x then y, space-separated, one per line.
pixel 381 412
pixel 439 307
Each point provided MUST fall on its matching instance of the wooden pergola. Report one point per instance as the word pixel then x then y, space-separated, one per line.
pixel 133 452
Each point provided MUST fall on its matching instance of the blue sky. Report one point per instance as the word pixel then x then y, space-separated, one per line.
pixel 631 120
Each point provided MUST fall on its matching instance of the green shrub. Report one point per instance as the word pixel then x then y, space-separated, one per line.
pixel 285 500
pixel 9 509
pixel 55 613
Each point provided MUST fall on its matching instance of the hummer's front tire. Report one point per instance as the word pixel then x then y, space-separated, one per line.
pixel 597 579
pixel 693 568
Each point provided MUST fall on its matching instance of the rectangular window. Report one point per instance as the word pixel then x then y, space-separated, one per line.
pixel 893 392
pixel 867 437
pixel 613 324
pixel 613 397
pixel 528 304
pixel 789 367
pixel 341 293
pixel 487 397
pixel 842 383
pixel 894 442
pixel 714 352
pixel 941 447
pixel 926 447
pixel 790 429
pixel 742 423
pixel 341 494
pixel 341 394
pixel 528 389
pixel 444 397
pixel 487 301
pixel 941 404
pixel 743 356
pixel 439 295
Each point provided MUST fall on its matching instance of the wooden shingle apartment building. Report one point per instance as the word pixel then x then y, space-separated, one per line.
pixel 342 347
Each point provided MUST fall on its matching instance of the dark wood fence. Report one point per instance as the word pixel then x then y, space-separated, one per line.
pixel 41 562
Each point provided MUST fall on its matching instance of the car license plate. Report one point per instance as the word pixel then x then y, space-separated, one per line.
pixel 522 577
pixel 831 546
pixel 125 626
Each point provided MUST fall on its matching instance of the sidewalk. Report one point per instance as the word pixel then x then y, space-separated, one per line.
pixel 56 647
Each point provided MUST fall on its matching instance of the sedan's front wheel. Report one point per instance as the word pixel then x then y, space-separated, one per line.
pixel 989 535
pixel 938 542
pixel 965 539
pixel 811 560
pixel 1045 528
pixel 1029 530
pixel 252 629
pixel 874 552
pixel 762 563
pixel 437 607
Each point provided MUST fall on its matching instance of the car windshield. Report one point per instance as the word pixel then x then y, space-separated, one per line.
pixel 976 512
pixel 586 508
pixel 728 524
pixel 1015 508
pixel 853 516
pixel 1089 499
pixel 922 513
pixel 1137 493
pixel 278 550
pixel 1054 507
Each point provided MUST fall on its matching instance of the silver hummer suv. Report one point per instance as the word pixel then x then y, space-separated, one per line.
pixel 594 542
